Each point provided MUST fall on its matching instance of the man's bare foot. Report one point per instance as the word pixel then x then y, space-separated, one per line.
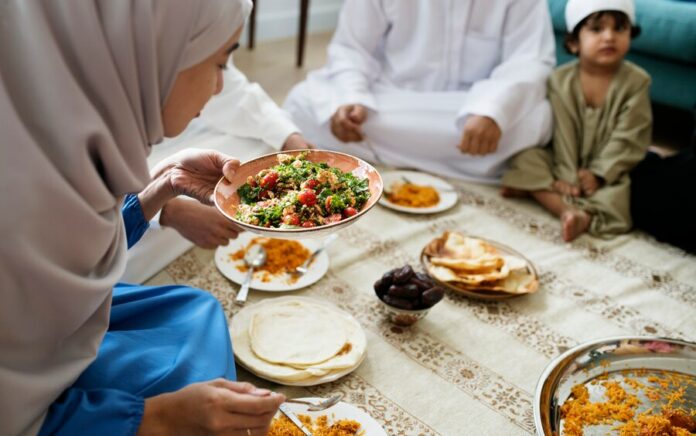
pixel 509 192
pixel 565 188
pixel 574 223
pixel 588 182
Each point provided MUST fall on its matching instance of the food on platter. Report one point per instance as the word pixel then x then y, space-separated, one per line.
pixel 296 339
pixel 618 400
pixel 282 257
pixel 412 195
pixel 407 289
pixel 299 193
pixel 473 264
pixel 320 426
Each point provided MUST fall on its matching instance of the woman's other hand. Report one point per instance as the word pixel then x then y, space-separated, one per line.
pixel 203 225
pixel 194 173
pixel 190 172
pixel 296 142
pixel 215 407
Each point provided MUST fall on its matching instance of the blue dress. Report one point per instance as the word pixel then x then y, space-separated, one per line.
pixel 160 339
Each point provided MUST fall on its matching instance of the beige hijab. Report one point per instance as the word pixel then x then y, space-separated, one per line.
pixel 82 84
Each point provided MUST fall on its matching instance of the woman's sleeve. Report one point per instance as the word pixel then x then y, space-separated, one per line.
pixel 102 411
pixel 133 218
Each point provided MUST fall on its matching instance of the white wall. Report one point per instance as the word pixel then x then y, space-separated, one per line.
pixel 276 19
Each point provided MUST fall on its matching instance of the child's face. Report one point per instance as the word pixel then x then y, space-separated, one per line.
pixel 603 42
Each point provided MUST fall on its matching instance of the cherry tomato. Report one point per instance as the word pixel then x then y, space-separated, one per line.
pixel 269 180
pixel 292 219
pixel 311 184
pixel 251 181
pixel 308 224
pixel 327 203
pixel 349 211
pixel 264 194
pixel 307 197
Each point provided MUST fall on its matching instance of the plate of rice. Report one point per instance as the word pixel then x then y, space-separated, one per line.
pixel 342 419
pixel 282 257
pixel 417 193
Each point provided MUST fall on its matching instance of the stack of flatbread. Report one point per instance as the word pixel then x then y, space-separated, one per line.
pixel 295 340
pixel 474 265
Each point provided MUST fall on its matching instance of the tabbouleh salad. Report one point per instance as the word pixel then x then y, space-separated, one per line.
pixel 299 193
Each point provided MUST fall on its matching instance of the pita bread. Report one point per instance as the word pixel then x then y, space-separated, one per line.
pixel 350 354
pixel 296 333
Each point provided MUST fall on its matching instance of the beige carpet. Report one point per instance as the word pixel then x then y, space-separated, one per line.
pixel 471 367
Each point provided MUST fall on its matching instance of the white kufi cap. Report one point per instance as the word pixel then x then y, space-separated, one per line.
pixel 578 10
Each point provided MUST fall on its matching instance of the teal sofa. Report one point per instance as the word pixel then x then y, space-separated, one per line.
pixel 666 47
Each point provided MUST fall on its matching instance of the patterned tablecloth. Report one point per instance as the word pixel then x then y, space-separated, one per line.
pixel 470 367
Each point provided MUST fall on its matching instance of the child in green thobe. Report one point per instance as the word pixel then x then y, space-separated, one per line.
pixel 602 126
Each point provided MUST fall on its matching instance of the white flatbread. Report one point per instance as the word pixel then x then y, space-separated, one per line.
pixel 298 373
pixel 296 333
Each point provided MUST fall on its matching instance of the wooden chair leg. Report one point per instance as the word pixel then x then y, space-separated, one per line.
pixel 252 25
pixel 304 12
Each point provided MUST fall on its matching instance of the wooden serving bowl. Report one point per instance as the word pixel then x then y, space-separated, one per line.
pixel 227 200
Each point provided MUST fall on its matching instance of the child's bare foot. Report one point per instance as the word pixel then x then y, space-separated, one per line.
pixel 574 223
pixel 565 188
pixel 509 192
pixel 588 182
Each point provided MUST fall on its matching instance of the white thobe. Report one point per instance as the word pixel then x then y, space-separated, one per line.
pixel 242 121
pixel 422 67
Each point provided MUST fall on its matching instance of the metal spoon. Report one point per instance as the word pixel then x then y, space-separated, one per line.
pixel 302 269
pixel 253 258
pixel 318 407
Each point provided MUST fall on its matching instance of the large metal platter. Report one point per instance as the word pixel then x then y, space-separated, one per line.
pixel 613 357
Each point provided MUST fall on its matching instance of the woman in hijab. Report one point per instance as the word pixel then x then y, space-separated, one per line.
pixel 86 88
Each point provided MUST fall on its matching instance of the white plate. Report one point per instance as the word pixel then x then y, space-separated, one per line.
pixel 279 283
pixel 339 411
pixel 448 195
pixel 240 325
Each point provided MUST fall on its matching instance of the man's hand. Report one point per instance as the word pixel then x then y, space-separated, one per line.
pixel 296 142
pixel 216 407
pixel 346 123
pixel 481 136
pixel 588 182
pixel 200 224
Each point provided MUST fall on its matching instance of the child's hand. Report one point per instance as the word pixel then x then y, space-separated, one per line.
pixel 588 182
pixel 565 188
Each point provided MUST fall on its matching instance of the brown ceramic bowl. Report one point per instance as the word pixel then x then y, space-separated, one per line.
pixel 227 199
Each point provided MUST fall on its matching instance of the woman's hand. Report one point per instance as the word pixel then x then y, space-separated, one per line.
pixel 203 225
pixel 216 407
pixel 346 123
pixel 190 172
pixel 481 136
pixel 194 173
pixel 296 142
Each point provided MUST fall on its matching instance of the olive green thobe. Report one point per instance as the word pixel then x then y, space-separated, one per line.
pixel 608 140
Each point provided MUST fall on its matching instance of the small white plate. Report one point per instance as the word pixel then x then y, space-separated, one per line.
pixel 448 195
pixel 339 411
pixel 279 283
pixel 240 325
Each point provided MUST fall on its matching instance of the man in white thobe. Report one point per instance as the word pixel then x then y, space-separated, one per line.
pixel 242 121
pixel 453 87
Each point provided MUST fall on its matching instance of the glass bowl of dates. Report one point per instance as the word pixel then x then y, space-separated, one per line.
pixel 407 295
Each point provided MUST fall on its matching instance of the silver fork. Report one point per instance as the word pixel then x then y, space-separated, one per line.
pixel 318 407
pixel 302 269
